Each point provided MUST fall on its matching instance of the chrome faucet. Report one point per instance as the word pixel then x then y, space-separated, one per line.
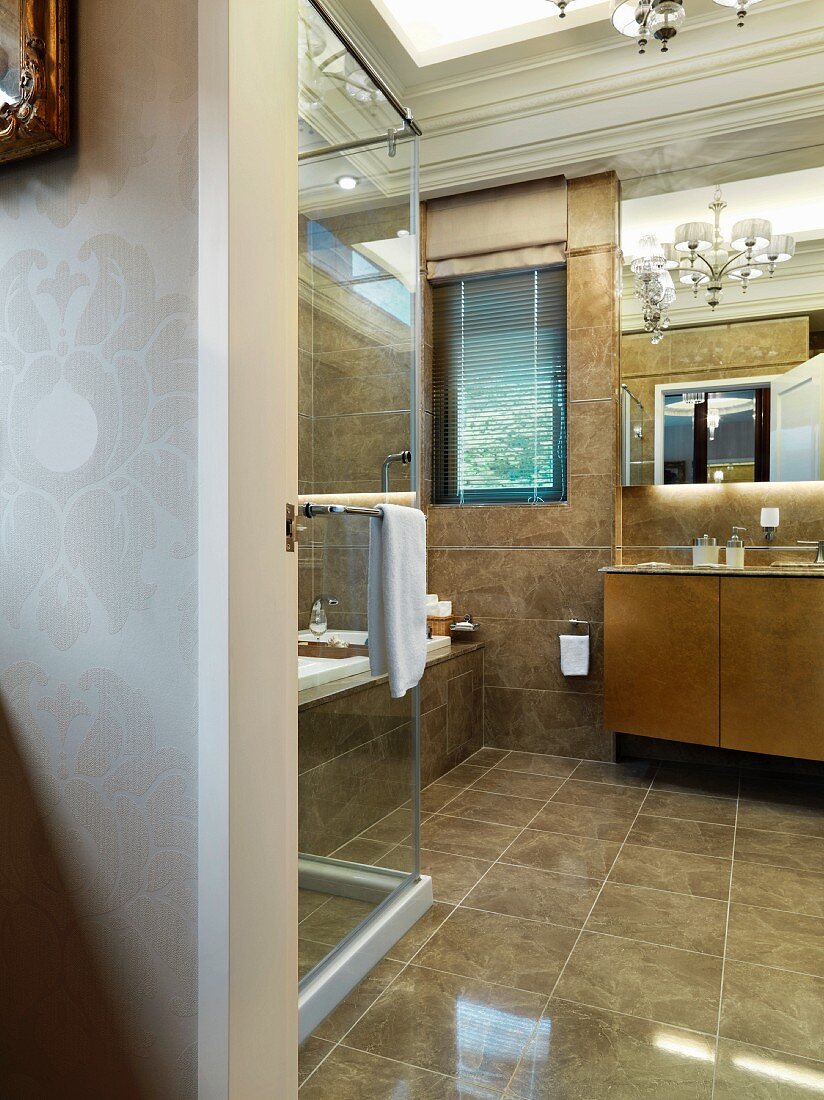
pixel 402 456
pixel 317 620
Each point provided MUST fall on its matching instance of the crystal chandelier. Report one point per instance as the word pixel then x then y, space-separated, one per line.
pixel 654 19
pixel 704 259
pixel 653 286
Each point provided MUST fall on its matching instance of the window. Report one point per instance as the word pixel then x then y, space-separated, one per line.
pixel 499 377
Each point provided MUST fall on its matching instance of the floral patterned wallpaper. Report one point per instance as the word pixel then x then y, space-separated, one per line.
pixel 98 524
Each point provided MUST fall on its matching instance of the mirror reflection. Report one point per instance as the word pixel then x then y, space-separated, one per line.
pixel 722 348
pixel 9 51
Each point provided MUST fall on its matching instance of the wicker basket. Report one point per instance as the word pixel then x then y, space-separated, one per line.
pixel 439 625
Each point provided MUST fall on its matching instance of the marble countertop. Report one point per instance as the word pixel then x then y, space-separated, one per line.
pixel 663 569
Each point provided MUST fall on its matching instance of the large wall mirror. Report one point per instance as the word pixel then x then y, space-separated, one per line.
pixel 34 109
pixel 722 346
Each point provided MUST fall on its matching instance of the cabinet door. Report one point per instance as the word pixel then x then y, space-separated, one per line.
pixel 772 665
pixel 661 654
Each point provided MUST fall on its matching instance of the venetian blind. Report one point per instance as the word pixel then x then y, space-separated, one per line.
pixel 499 377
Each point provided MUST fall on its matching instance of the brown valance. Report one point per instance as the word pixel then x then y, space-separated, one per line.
pixel 498 229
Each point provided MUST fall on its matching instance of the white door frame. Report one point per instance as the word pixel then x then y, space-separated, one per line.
pixel 247 1024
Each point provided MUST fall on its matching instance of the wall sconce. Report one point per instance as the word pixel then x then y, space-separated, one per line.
pixel 769 521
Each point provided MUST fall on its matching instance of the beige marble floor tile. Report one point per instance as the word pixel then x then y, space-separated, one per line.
pixel 691 807
pixel 523 954
pixel 362 850
pixel 605 796
pixel 682 872
pixel 462 776
pixel 657 916
pixel 481 839
pixel 598 822
pixel 805 816
pixel 755 1073
pixel 778 888
pixel 568 855
pixel 354 1004
pixel 309 955
pixel 311 1054
pixel 786 940
pixel 336 919
pixel 689 779
pixel 459 1026
pixel 352 1075
pixel 581 1053
pixel 393 828
pixel 436 797
pixel 487 757
pixel 523 784
pixel 309 901
pixel 536 895
pixel 700 837
pixel 634 773
pixel 539 764
pixel 656 983
pixel 503 809
pixel 409 945
pixel 801 853
pixel 452 876
pixel 774 1008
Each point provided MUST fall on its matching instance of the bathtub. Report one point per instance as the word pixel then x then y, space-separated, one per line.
pixel 314 671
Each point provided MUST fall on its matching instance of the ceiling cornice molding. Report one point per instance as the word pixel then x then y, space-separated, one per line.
pixel 557 154
pixel 723 63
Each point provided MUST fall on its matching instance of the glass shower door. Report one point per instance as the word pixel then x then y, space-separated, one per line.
pixel 358 338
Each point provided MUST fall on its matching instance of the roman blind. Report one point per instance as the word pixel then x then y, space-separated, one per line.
pixel 506 228
pixel 499 388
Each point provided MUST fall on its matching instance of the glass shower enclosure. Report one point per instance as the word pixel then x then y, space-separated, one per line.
pixel 359 337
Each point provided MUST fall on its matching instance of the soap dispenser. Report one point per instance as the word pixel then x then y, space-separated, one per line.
pixel 735 549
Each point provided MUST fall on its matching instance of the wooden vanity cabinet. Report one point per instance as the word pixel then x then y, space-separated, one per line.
pixel 731 661
pixel 661 649
pixel 772 665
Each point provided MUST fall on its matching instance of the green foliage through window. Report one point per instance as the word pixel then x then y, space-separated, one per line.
pixel 499 375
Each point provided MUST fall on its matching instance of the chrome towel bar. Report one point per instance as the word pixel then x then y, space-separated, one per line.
pixel 311 510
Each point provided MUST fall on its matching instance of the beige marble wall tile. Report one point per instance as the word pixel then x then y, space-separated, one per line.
pixel 665 515
pixel 592 290
pixel 351 449
pixel 584 520
pixel 592 210
pixel 504 584
pixel 546 722
pixel 590 354
pixel 526 653
pixel 592 437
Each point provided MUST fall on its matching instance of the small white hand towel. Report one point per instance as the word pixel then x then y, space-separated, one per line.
pixel 575 654
pixel 397 596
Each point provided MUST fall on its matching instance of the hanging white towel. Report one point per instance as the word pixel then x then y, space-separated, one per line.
pixel 397 596
pixel 575 654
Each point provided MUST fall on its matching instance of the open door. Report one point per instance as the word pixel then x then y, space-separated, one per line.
pixel 796 423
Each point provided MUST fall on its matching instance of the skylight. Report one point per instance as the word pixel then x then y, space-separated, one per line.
pixel 433 31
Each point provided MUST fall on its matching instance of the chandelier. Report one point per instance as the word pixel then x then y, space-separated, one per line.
pixel 654 19
pixel 704 259
pixel 653 286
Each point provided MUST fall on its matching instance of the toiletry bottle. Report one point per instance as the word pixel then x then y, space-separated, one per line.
pixel 735 549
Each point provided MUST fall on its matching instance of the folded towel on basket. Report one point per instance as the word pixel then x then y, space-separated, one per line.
pixel 575 654
pixel 397 596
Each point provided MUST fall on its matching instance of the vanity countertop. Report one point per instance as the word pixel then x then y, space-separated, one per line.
pixel 662 569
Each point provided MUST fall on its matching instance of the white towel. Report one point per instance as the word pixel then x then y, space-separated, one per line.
pixel 574 654
pixel 397 596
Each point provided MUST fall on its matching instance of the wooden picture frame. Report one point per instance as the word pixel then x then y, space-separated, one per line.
pixel 34 76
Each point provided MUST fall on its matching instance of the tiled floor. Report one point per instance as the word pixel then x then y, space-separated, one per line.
pixel 600 931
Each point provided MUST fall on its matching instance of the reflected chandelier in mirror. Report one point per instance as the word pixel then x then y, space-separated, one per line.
pixel 34 114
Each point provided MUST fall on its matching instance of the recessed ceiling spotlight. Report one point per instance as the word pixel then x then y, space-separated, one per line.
pixel 348 183
pixel 403 233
